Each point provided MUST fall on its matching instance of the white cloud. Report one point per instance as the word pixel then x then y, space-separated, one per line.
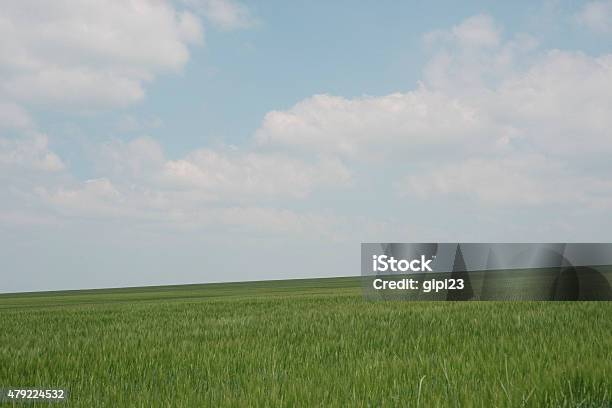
pixel 101 199
pixel 93 54
pixel 222 174
pixel 137 160
pixel 474 32
pixel 559 104
pixel 509 181
pixel 90 54
pixel 225 14
pixel 72 87
pixel 478 31
pixel 524 128
pixel 13 116
pixel 367 126
pixel 138 182
pixel 205 189
pixel 26 163
pixel 597 16
pixel 485 105
pixel 238 174
pixel 28 153
pixel 96 197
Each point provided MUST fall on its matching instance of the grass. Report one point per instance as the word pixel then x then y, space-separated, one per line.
pixel 303 343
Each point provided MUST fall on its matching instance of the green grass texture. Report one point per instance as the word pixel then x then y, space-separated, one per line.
pixel 314 342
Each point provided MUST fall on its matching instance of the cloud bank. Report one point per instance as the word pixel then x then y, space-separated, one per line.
pixel 495 120
pixel 500 121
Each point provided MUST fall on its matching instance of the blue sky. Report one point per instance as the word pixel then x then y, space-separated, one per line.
pixel 163 142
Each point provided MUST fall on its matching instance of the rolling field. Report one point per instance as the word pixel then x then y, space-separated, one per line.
pixel 303 343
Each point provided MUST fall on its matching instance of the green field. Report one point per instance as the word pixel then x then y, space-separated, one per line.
pixel 303 343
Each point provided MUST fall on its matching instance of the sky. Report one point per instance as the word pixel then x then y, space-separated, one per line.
pixel 151 142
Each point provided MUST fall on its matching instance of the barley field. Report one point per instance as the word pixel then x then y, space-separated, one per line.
pixel 308 343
